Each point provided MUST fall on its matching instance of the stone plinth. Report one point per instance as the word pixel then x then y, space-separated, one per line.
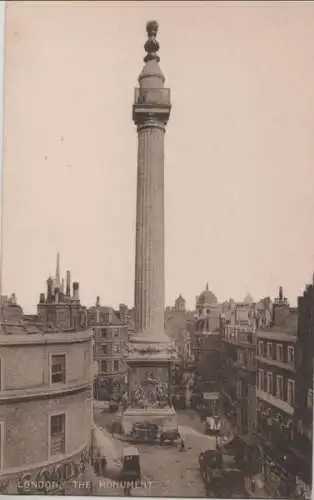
pixel 149 413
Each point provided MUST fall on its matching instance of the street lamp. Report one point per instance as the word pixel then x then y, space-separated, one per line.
pixel 216 428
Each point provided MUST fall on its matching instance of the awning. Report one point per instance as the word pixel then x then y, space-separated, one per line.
pixel 210 395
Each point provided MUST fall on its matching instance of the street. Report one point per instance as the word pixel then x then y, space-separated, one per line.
pixel 167 471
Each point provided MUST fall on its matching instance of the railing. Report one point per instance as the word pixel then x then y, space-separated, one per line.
pixel 153 97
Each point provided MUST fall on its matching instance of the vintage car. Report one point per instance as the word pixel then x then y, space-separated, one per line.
pixel 230 484
pixel 213 426
pixel 113 406
pixel 209 461
pixel 131 469
pixel 221 480
pixel 169 437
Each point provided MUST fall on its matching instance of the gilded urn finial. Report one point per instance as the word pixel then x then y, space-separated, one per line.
pixel 151 46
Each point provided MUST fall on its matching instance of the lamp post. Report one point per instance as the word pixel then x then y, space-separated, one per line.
pixel 216 429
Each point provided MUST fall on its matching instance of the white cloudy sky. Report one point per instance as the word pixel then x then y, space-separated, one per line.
pixel 239 147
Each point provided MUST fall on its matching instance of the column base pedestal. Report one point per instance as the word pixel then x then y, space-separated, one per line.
pixel 150 425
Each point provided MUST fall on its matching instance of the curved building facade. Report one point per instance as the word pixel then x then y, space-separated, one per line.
pixel 45 406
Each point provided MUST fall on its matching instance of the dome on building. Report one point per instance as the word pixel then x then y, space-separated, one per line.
pixel 248 299
pixel 207 297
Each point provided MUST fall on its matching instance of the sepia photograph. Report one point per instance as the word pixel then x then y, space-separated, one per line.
pixel 157 248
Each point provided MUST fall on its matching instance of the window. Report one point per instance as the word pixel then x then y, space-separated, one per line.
pixel 116 333
pixel 1 373
pixel 58 369
pixel 290 392
pixel 103 366
pixel 239 389
pixel 269 382
pixel 57 434
pixel 300 427
pixel 116 365
pixel 279 386
pixel 269 350
pixel 291 355
pixel 104 333
pixel 260 382
pixel 240 356
pixel 260 348
pixel 309 399
pixel 116 348
pixel 1 444
pixel 279 352
pixel 105 348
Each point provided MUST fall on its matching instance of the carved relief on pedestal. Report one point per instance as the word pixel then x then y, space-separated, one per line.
pixel 149 388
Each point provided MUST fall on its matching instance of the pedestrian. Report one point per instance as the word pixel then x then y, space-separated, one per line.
pixel 127 491
pixel 103 464
pixel 182 445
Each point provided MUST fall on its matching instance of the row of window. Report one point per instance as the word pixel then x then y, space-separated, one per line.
pixel 114 348
pixel 276 352
pixel 245 357
pixel 104 366
pixel 105 332
pixel 265 383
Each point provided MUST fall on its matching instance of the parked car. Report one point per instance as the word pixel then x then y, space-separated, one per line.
pixel 213 425
pixel 131 468
pixel 211 463
pixel 169 437
pixel 113 406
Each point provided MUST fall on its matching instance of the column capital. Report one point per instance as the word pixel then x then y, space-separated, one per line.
pixel 151 122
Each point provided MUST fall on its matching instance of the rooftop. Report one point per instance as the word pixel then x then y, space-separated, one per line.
pixel 27 327
pixel 288 329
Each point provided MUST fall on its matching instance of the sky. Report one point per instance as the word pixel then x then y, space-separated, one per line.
pixel 239 150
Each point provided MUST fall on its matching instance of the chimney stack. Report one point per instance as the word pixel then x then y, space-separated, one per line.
pixel 68 284
pixel 42 298
pixel 123 314
pixel 58 271
pixel 97 310
pixel 76 287
pixel 49 289
pixel 62 286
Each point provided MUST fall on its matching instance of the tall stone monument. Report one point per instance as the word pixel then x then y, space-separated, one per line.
pixel 149 412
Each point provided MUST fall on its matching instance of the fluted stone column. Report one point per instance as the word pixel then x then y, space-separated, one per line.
pixel 149 264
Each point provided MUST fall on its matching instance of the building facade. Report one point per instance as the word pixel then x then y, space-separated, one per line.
pixel 206 349
pixel 303 418
pixel 276 379
pixel 238 385
pixel 110 333
pixel 239 321
pixel 46 405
